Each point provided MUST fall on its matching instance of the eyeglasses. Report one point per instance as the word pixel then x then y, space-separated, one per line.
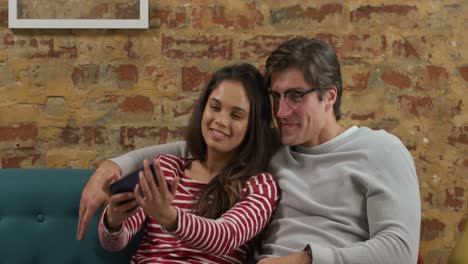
pixel 292 97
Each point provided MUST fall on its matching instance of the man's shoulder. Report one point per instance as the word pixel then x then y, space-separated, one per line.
pixel 379 143
pixel 379 138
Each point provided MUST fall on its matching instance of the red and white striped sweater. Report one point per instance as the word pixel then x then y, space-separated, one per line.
pixel 198 239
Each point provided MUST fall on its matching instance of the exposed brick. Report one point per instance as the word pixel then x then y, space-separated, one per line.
pixel 130 137
pixel 356 47
pixel 463 70
pixel 403 48
pixel 42 74
pixel 296 12
pixel 458 135
pixel 55 106
pixel 431 229
pixel 219 16
pixel 364 45
pixel 137 104
pixel 362 116
pixel 17 160
pixel 169 16
pixel 128 48
pixel 193 79
pixel 436 72
pixel 364 12
pixel 21 136
pixel 109 99
pixel 461 225
pixel 127 75
pixel 183 106
pixel 95 135
pixel 260 46
pixel 65 52
pixel 42 47
pixel 21 132
pixel 228 16
pixel 216 13
pixel 90 135
pixel 395 79
pixel 3 17
pixel 70 135
pixel 33 43
pixel 164 78
pixel 360 81
pixel 202 16
pixel 386 124
pixel 416 105
pixel 129 10
pixel 250 19
pixel 11 41
pixel 85 75
pixel 98 11
pixel 197 47
pixel 455 198
pixel 431 78
pixel 436 256
pixel 428 199
pixel 7 74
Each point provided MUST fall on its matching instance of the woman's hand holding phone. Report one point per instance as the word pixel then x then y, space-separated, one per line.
pixel 156 199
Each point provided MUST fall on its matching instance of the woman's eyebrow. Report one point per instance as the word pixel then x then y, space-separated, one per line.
pixel 234 107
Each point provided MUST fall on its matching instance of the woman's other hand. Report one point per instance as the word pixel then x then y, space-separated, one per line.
pixel 121 206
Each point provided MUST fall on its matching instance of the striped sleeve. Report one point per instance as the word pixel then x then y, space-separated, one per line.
pixel 118 240
pixel 238 225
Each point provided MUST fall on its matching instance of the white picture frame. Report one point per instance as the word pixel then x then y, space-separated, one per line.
pixel 15 22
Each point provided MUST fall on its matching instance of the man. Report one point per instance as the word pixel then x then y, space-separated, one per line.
pixel 348 195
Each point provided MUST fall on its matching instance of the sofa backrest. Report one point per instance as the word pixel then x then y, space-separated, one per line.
pixel 39 215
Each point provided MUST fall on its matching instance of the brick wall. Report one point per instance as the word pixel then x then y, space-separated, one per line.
pixel 71 98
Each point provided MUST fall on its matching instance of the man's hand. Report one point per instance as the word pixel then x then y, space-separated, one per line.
pixel 300 257
pixel 96 194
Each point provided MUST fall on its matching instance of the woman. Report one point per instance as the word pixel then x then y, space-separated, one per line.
pixel 220 197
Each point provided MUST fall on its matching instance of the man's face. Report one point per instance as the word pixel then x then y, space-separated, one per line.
pixel 303 123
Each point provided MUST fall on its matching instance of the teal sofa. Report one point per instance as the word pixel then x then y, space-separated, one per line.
pixel 39 215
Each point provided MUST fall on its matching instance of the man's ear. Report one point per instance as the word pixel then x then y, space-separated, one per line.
pixel 330 97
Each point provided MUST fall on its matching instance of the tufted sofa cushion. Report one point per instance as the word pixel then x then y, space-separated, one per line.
pixel 38 219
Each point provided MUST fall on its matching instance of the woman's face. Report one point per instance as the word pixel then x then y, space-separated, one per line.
pixel 226 118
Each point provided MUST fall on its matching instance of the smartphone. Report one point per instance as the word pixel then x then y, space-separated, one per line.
pixel 128 183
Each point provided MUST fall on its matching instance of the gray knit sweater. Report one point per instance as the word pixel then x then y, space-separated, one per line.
pixel 354 199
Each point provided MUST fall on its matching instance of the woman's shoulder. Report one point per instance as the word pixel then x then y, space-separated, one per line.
pixel 169 157
pixel 262 177
pixel 172 162
pixel 262 183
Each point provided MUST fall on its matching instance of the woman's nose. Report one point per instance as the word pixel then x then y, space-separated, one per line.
pixel 221 119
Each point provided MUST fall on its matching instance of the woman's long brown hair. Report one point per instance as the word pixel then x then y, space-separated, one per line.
pixel 255 151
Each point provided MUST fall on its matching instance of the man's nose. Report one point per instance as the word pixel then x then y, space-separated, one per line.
pixel 283 109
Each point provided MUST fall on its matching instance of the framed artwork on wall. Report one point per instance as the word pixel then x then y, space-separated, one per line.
pixel 78 14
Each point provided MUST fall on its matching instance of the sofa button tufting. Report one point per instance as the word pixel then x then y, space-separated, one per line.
pixel 40 218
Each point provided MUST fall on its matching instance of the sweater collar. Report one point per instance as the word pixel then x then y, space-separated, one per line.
pixel 327 146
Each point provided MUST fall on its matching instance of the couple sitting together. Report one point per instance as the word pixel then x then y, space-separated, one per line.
pixel 297 189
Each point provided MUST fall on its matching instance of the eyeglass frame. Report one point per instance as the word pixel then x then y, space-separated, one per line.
pixel 290 91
